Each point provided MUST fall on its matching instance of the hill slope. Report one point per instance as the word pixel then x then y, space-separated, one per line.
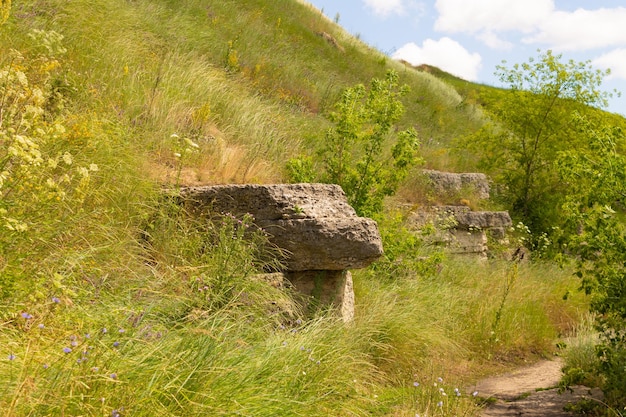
pixel 115 302
pixel 254 76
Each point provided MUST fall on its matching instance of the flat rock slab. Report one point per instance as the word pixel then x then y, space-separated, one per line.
pixel 452 183
pixel 312 223
pixel 463 217
pixel 484 219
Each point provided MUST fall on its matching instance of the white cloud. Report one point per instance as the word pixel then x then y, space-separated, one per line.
pixel 485 16
pixel 538 19
pixel 583 29
pixel 385 8
pixel 615 60
pixel 445 53
pixel 494 42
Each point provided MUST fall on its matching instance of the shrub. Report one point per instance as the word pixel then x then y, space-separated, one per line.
pixel 596 178
pixel 354 151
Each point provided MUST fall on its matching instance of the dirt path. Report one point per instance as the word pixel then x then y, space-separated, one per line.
pixel 530 391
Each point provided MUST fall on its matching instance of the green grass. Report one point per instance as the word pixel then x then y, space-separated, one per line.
pixel 201 335
pixel 179 356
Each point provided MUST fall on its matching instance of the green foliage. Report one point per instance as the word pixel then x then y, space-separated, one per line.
pixel 202 333
pixel 353 155
pixel 355 152
pixel 39 186
pixel 511 278
pixel 407 253
pixel 531 125
pixel 301 169
pixel 219 254
pixel 596 178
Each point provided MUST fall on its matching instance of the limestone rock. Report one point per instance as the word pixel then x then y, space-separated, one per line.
pixel 313 223
pixel 483 219
pixel 463 231
pixel 315 290
pixel 324 288
pixel 447 183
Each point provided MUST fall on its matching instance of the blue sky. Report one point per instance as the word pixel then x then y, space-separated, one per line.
pixel 470 37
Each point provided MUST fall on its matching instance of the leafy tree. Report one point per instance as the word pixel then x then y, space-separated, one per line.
pixel 362 152
pixel 596 177
pixel 531 125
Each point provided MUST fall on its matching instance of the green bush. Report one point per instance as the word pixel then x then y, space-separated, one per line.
pixel 362 153
pixel 531 124
pixel 596 178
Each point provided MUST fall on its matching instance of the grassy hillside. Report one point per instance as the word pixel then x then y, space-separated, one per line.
pixel 114 302
pixel 248 81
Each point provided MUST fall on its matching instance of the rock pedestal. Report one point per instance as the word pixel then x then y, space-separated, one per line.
pixel 313 223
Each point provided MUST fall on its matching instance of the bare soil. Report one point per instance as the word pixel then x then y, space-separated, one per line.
pixel 530 391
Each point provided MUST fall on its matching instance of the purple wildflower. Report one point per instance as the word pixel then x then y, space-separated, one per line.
pixel 26 316
pixel 11 357
pixel 56 300
pixel 67 350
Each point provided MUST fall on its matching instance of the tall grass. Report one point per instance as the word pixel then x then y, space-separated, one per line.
pixel 451 315
pixel 166 70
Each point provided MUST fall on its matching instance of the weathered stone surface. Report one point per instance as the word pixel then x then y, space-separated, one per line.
pixel 468 242
pixel 320 289
pixel 461 217
pixel 312 222
pixel 446 183
pixel 463 231
pixel 315 290
pixel 483 219
pixel 440 216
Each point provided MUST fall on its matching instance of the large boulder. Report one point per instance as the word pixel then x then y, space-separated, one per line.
pixel 313 223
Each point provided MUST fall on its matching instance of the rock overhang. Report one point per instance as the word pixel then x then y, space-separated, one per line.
pixel 313 223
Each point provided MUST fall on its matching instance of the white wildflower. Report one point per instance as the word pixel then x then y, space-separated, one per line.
pixel 67 158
